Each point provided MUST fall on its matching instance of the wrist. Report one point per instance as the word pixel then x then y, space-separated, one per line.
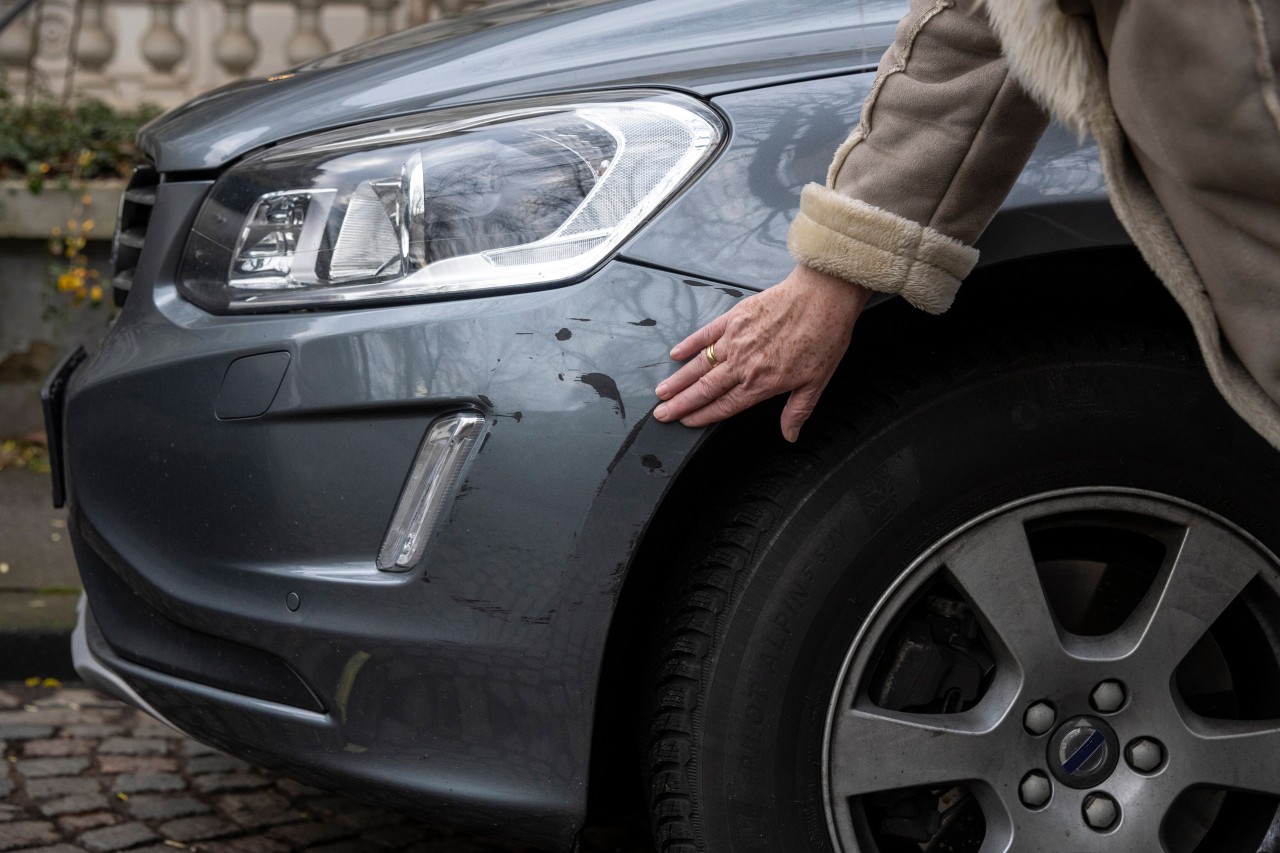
pixel 846 291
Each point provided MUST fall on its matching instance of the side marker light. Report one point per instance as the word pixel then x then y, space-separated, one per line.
pixel 438 469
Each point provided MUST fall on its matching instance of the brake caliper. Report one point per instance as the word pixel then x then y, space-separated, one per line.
pixel 936 662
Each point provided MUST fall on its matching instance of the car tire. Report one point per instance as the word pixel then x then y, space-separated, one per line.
pixel 822 584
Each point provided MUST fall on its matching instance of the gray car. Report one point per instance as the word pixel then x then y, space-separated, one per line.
pixel 364 483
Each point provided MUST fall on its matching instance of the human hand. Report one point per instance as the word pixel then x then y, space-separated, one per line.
pixel 790 338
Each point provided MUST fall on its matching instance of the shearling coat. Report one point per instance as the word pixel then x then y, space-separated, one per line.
pixel 1182 99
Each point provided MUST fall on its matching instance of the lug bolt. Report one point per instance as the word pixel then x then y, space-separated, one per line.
pixel 1107 697
pixel 1144 754
pixel 1100 811
pixel 1039 718
pixel 1035 789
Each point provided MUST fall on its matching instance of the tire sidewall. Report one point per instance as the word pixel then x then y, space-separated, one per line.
pixel 868 501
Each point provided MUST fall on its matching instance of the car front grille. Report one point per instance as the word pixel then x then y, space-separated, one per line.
pixel 131 229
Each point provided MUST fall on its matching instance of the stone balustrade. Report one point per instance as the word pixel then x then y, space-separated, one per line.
pixel 165 51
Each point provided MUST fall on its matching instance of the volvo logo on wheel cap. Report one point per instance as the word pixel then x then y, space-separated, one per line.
pixel 1083 752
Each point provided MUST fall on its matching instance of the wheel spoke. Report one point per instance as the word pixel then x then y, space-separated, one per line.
pixel 994 568
pixel 998 841
pixel 1239 754
pixel 877 750
pixel 1211 568
pixel 1000 830
pixel 1139 831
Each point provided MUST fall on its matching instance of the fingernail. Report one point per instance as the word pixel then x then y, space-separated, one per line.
pixel 662 390
pixel 672 354
pixel 660 413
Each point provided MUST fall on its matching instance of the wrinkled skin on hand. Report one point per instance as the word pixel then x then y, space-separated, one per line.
pixel 790 338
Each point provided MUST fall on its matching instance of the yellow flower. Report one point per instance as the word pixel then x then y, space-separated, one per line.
pixel 57 232
pixel 95 293
pixel 44 168
pixel 88 226
pixel 68 281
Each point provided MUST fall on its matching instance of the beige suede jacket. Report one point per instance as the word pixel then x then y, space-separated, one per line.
pixel 1183 101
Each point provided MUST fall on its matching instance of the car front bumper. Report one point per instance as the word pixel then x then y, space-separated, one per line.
pixel 228 554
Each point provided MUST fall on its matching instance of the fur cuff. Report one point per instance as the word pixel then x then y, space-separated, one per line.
pixel 878 249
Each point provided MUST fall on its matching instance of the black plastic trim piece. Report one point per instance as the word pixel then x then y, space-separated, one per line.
pixel 53 395
pixel 140 634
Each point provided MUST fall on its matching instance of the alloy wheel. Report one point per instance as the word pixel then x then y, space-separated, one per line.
pixel 1090 669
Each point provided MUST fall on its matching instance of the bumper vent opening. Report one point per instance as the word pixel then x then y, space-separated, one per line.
pixel 140 634
pixel 131 229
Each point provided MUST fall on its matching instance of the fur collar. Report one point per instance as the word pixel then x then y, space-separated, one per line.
pixel 1057 59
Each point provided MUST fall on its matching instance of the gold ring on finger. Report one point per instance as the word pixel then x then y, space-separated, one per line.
pixel 710 353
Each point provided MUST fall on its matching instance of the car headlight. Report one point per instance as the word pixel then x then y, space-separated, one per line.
pixel 456 200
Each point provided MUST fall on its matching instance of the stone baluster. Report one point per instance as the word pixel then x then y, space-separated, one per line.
pixel 380 17
pixel 17 46
pixel 236 49
pixel 96 45
pixel 307 42
pixel 439 9
pixel 162 46
pixel 417 12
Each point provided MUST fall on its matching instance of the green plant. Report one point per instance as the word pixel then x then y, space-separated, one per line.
pixel 20 453
pixel 71 273
pixel 45 140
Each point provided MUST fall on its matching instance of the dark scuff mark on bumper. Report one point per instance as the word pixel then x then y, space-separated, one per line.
pixel 544 619
pixel 627 442
pixel 481 605
pixel 604 385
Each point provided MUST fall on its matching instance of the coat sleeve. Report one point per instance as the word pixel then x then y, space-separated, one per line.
pixel 944 133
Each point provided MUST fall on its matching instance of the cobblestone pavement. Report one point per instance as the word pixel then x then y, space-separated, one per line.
pixel 86 773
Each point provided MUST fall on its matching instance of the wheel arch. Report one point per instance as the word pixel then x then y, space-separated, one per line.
pixel 1084 287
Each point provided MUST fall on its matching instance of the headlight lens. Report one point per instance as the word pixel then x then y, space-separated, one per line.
pixel 458 200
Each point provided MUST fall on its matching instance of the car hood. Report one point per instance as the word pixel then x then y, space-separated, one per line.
pixel 518 49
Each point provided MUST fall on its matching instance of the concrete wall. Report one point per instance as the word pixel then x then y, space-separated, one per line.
pixel 38 324
pixel 32 336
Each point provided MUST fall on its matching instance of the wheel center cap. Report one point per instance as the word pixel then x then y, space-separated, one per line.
pixel 1083 752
